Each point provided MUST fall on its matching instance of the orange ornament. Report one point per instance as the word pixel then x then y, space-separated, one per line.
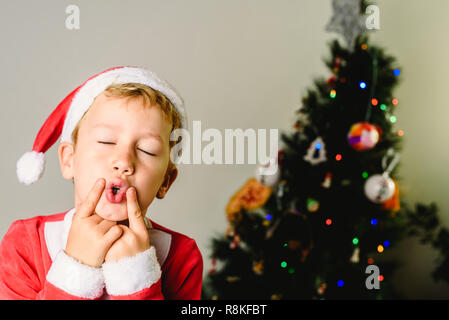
pixel 251 196
pixel 393 203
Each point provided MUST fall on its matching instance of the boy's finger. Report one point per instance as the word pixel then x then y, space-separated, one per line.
pixel 135 217
pixel 113 234
pixel 87 207
pixel 105 225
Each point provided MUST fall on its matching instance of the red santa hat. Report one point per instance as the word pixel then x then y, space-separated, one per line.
pixel 63 120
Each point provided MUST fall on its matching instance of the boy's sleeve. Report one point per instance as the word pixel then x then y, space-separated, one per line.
pixel 22 275
pixel 139 277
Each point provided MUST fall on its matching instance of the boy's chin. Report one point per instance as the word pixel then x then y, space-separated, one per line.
pixel 112 212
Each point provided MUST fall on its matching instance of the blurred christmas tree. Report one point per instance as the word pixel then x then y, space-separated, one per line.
pixel 333 208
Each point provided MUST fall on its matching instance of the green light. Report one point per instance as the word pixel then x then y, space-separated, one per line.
pixel 333 93
pixel 365 174
pixel 355 241
pixel 285 244
pixel 383 107
pixel 291 271
pixel 283 264
pixel 393 119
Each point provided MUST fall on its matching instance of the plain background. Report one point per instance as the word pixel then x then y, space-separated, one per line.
pixel 237 64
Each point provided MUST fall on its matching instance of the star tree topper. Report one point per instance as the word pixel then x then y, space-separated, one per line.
pixel 347 20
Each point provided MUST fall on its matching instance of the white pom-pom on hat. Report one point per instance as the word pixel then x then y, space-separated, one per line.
pixel 30 167
pixel 62 121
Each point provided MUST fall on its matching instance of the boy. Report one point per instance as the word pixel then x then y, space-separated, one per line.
pixel 115 146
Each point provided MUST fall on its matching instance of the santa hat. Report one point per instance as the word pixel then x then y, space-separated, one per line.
pixel 63 120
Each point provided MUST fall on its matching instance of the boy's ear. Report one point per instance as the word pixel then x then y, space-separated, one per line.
pixel 66 153
pixel 170 177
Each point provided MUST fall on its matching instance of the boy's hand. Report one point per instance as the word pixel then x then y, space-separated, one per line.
pixel 134 238
pixel 90 236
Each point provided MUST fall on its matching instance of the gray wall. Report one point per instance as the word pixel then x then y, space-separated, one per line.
pixel 238 64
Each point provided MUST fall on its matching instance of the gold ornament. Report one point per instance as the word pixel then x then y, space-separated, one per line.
pixel 258 267
pixel 251 196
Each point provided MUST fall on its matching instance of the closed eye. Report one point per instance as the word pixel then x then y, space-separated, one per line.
pixel 104 142
pixel 151 154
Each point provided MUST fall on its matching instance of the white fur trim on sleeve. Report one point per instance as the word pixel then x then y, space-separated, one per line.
pixel 132 274
pixel 76 278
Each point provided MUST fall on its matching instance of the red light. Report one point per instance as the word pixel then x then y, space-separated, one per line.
pixel 374 102
pixel 338 157
pixel 328 222
pixel 381 278
pixel 395 101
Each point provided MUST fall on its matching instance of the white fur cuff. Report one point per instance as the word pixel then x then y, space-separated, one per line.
pixel 132 274
pixel 75 278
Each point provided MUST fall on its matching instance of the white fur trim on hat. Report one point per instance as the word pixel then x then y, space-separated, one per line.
pixel 30 167
pixel 92 88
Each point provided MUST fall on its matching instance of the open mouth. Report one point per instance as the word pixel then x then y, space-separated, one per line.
pixel 116 190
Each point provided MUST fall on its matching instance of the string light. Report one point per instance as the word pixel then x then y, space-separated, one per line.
pixel 373 222
pixel 395 102
pixel 370 260
pixel 355 241
pixel 393 119
pixel 383 107
pixel 340 283
pixel 362 84
pixel 333 94
pixel 365 174
pixel 381 278
pixel 380 248
pixel 397 72
pixel 338 157
pixel 291 271
pixel 364 46
pixel 318 146
pixel 386 243
pixel 400 133
pixel 328 222
pixel 374 101
pixel 268 217
pixel 283 264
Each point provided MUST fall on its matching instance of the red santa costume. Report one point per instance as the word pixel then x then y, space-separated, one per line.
pixel 33 263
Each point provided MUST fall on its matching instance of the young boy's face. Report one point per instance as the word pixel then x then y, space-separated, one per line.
pixel 137 151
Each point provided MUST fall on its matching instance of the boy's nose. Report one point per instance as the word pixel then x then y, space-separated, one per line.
pixel 123 167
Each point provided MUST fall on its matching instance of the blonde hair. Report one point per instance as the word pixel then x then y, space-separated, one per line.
pixel 151 98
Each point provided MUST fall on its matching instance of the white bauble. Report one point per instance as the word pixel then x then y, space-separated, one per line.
pixel 379 188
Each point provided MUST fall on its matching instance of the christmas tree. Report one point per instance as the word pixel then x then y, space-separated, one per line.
pixel 333 208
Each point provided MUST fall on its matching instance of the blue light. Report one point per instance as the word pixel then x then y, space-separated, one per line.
pixel 373 222
pixel 268 217
pixel 340 283
pixel 397 72
pixel 318 146
pixel 386 243
pixel 362 85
